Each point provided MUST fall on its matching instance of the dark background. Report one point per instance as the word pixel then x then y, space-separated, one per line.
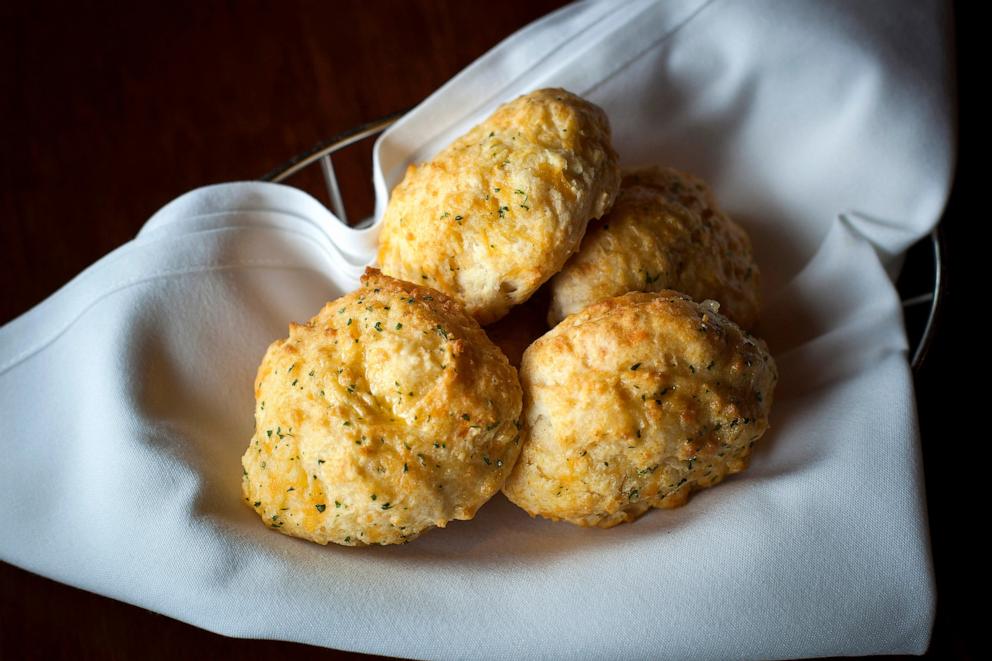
pixel 107 114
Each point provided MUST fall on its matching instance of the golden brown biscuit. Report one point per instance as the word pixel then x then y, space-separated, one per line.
pixel 498 211
pixel 665 231
pixel 633 403
pixel 388 413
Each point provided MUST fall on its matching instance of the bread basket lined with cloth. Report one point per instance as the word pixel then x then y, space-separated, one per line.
pixel 825 129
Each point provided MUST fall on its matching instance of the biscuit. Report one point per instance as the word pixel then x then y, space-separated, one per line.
pixel 665 231
pixel 500 210
pixel 635 402
pixel 388 413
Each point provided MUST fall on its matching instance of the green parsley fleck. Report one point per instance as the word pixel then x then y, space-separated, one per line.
pixel 399 326
pixel 320 507
pixel 525 200
pixel 378 326
pixel 633 368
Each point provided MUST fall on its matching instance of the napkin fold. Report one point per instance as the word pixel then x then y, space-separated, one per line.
pixel 824 128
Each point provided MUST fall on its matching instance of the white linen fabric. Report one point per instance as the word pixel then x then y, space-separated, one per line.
pixel 824 128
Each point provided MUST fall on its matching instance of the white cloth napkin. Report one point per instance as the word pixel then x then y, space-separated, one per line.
pixel 823 127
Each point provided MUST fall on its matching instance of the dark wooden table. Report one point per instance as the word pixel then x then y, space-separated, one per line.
pixel 108 113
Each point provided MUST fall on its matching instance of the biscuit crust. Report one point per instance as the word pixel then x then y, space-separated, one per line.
pixel 635 402
pixel 665 231
pixel 388 413
pixel 500 210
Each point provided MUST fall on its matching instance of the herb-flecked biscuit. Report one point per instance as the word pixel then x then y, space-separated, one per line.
pixel 635 402
pixel 665 231
pixel 388 413
pixel 499 211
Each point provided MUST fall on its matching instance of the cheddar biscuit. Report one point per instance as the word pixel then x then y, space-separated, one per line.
pixel 500 210
pixel 665 231
pixel 388 413
pixel 635 402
